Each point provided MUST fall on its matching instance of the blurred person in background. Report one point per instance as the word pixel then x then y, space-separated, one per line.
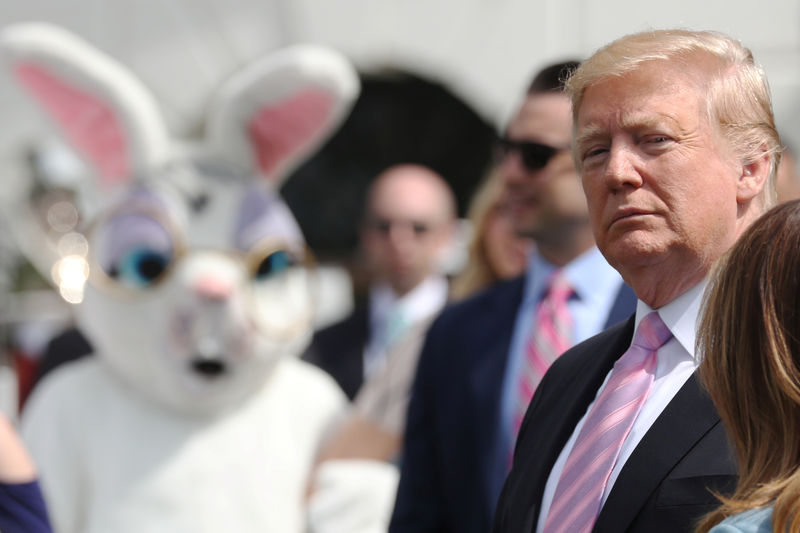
pixel 22 509
pixel 496 251
pixel 787 182
pixel 750 347
pixel 483 357
pixel 407 225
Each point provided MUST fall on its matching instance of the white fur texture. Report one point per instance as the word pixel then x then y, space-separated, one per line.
pixel 112 461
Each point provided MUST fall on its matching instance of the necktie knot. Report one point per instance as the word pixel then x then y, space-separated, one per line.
pixel 652 333
pixel 559 289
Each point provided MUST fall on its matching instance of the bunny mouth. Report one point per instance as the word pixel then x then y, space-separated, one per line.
pixel 208 368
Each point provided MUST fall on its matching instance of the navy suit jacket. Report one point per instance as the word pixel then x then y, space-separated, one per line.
pixel 454 414
pixel 665 486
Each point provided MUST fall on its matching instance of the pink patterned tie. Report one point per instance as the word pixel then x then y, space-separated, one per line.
pixel 579 492
pixel 550 338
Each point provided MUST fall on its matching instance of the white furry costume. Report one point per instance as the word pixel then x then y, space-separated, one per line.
pixel 194 415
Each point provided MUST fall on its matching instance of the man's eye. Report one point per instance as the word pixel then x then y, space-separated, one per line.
pixel 658 139
pixel 592 152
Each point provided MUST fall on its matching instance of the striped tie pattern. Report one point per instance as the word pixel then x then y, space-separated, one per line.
pixel 579 492
pixel 550 337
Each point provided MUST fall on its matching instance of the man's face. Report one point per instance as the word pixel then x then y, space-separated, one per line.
pixel 660 181
pixel 407 227
pixel 543 200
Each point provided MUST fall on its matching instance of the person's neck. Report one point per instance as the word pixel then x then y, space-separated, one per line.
pixel 561 252
pixel 658 286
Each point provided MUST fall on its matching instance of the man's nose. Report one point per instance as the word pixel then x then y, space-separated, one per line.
pixel 400 233
pixel 512 169
pixel 622 167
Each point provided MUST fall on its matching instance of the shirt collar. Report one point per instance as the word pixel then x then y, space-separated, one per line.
pixel 420 302
pixel 680 315
pixel 585 273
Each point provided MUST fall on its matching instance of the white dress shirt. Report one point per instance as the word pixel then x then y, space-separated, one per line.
pixel 676 363
pixel 390 316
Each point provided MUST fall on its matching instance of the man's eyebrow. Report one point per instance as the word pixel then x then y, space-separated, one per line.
pixel 635 121
pixel 638 121
pixel 589 133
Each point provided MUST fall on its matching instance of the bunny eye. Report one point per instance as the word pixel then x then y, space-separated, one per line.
pixel 140 267
pixel 274 264
pixel 133 249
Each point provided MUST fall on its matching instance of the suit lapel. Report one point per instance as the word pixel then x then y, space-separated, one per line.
pixel 659 451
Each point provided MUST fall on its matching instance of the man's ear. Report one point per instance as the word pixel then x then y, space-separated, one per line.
pixel 754 177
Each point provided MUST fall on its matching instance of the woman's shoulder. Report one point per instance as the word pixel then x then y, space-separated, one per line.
pixel 752 521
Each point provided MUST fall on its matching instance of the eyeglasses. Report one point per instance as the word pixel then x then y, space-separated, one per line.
pixel 384 225
pixel 534 156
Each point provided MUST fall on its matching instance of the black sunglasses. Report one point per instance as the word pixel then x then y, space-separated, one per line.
pixel 534 156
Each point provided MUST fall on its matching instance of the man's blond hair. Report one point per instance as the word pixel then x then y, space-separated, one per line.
pixel 738 95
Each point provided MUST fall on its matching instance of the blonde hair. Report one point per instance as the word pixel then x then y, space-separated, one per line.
pixel 738 100
pixel 750 340
pixel 478 272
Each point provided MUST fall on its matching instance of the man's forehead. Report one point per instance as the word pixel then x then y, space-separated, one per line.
pixel 542 117
pixel 409 196
pixel 639 102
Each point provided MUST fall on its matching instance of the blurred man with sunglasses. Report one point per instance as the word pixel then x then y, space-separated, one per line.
pixel 407 224
pixel 482 358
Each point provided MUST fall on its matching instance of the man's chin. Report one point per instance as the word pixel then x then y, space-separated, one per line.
pixel 633 250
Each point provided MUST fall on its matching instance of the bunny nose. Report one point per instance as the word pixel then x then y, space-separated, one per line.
pixel 213 287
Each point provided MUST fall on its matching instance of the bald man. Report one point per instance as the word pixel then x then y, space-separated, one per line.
pixel 407 224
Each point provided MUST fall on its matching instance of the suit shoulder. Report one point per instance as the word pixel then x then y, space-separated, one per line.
pixel 355 320
pixel 500 295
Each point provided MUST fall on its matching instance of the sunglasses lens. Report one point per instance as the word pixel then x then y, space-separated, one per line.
pixel 536 156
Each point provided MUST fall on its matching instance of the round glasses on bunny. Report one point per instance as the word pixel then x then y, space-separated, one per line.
pixel 534 155
pixel 134 250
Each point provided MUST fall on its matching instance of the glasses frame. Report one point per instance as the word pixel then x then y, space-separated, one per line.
pixel 252 258
pixel 533 155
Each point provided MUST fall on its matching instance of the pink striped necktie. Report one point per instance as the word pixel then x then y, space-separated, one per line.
pixel 579 492
pixel 550 337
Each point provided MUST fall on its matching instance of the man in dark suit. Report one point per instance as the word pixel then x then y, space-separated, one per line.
pixel 472 382
pixel 675 143
pixel 407 226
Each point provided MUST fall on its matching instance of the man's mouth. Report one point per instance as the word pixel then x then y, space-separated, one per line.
pixel 627 214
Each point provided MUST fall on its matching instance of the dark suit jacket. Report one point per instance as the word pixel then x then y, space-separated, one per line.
pixel 339 349
pixel 448 470
pixel 663 487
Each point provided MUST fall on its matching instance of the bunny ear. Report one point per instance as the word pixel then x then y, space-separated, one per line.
pixel 102 110
pixel 274 113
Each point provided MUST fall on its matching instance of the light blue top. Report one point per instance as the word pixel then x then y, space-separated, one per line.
pixel 752 521
pixel 596 285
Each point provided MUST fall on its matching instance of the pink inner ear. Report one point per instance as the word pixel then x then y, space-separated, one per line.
pixel 88 123
pixel 280 130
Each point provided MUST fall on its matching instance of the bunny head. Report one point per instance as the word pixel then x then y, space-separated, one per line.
pixel 199 278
